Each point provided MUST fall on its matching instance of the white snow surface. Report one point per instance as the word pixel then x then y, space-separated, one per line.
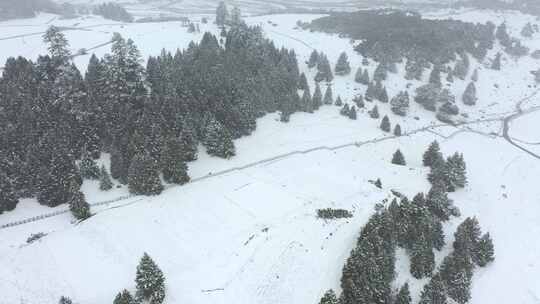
pixel 251 235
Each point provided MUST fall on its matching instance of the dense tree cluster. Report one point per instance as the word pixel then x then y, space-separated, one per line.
pixel 324 70
pixel 11 9
pixel 391 35
pixel 433 98
pixel 362 76
pixel 450 174
pixel 150 119
pixel 415 226
pixel 400 103
pixel 113 11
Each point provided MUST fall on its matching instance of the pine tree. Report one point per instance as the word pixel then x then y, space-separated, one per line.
pixel 432 154
pixel 502 35
pixel 374 113
pixel 218 140
pixel 342 66
pixel 474 76
pixel 359 101
pixel 8 199
pixel 78 206
pixel 370 94
pixel 236 16
pixel 385 124
pixel 467 237
pixel 339 102
pixel 329 298
pixel 119 166
pixel 303 84
pixel 307 103
pixel 397 130
pixel 456 272
pixel 345 110
pixel 398 158
pixel 352 113
pixel 222 14
pixel 358 77
pixel 188 143
pixel 174 167
pixel 89 168
pixel 383 95
pixel 317 97
pixel 439 204
pixel 450 76
pixel 527 30
pixel 313 59
pixel 58 45
pixel 403 296
pixel 365 77
pixel 434 292
pixel 462 67
pixel 484 252
pixel 435 76
pixel 456 171
pixel 143 176
pixel 328 98
pixel 380 73
pixel 105 182
pixel 65 300
pixel 378 183
pixel 150 281
pixel 124 297
pixel 496 64
pixel 422 258
pixel 324 71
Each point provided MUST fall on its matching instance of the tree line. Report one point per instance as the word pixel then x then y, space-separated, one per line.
pixel 151 118
pixel 416 226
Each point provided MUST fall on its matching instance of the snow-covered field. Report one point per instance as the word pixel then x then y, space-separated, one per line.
pixel 251 235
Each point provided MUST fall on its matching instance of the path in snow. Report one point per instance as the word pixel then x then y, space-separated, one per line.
pixel 428 128
pixel 520 112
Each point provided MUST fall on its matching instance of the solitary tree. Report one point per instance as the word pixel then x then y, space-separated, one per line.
pixel 398 158
pixel 374 113
pixel 385 124
pixel 150 281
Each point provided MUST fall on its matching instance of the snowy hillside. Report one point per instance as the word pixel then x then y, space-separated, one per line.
pixel 245 230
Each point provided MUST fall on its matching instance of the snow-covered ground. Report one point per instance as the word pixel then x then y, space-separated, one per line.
pixel 251 235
